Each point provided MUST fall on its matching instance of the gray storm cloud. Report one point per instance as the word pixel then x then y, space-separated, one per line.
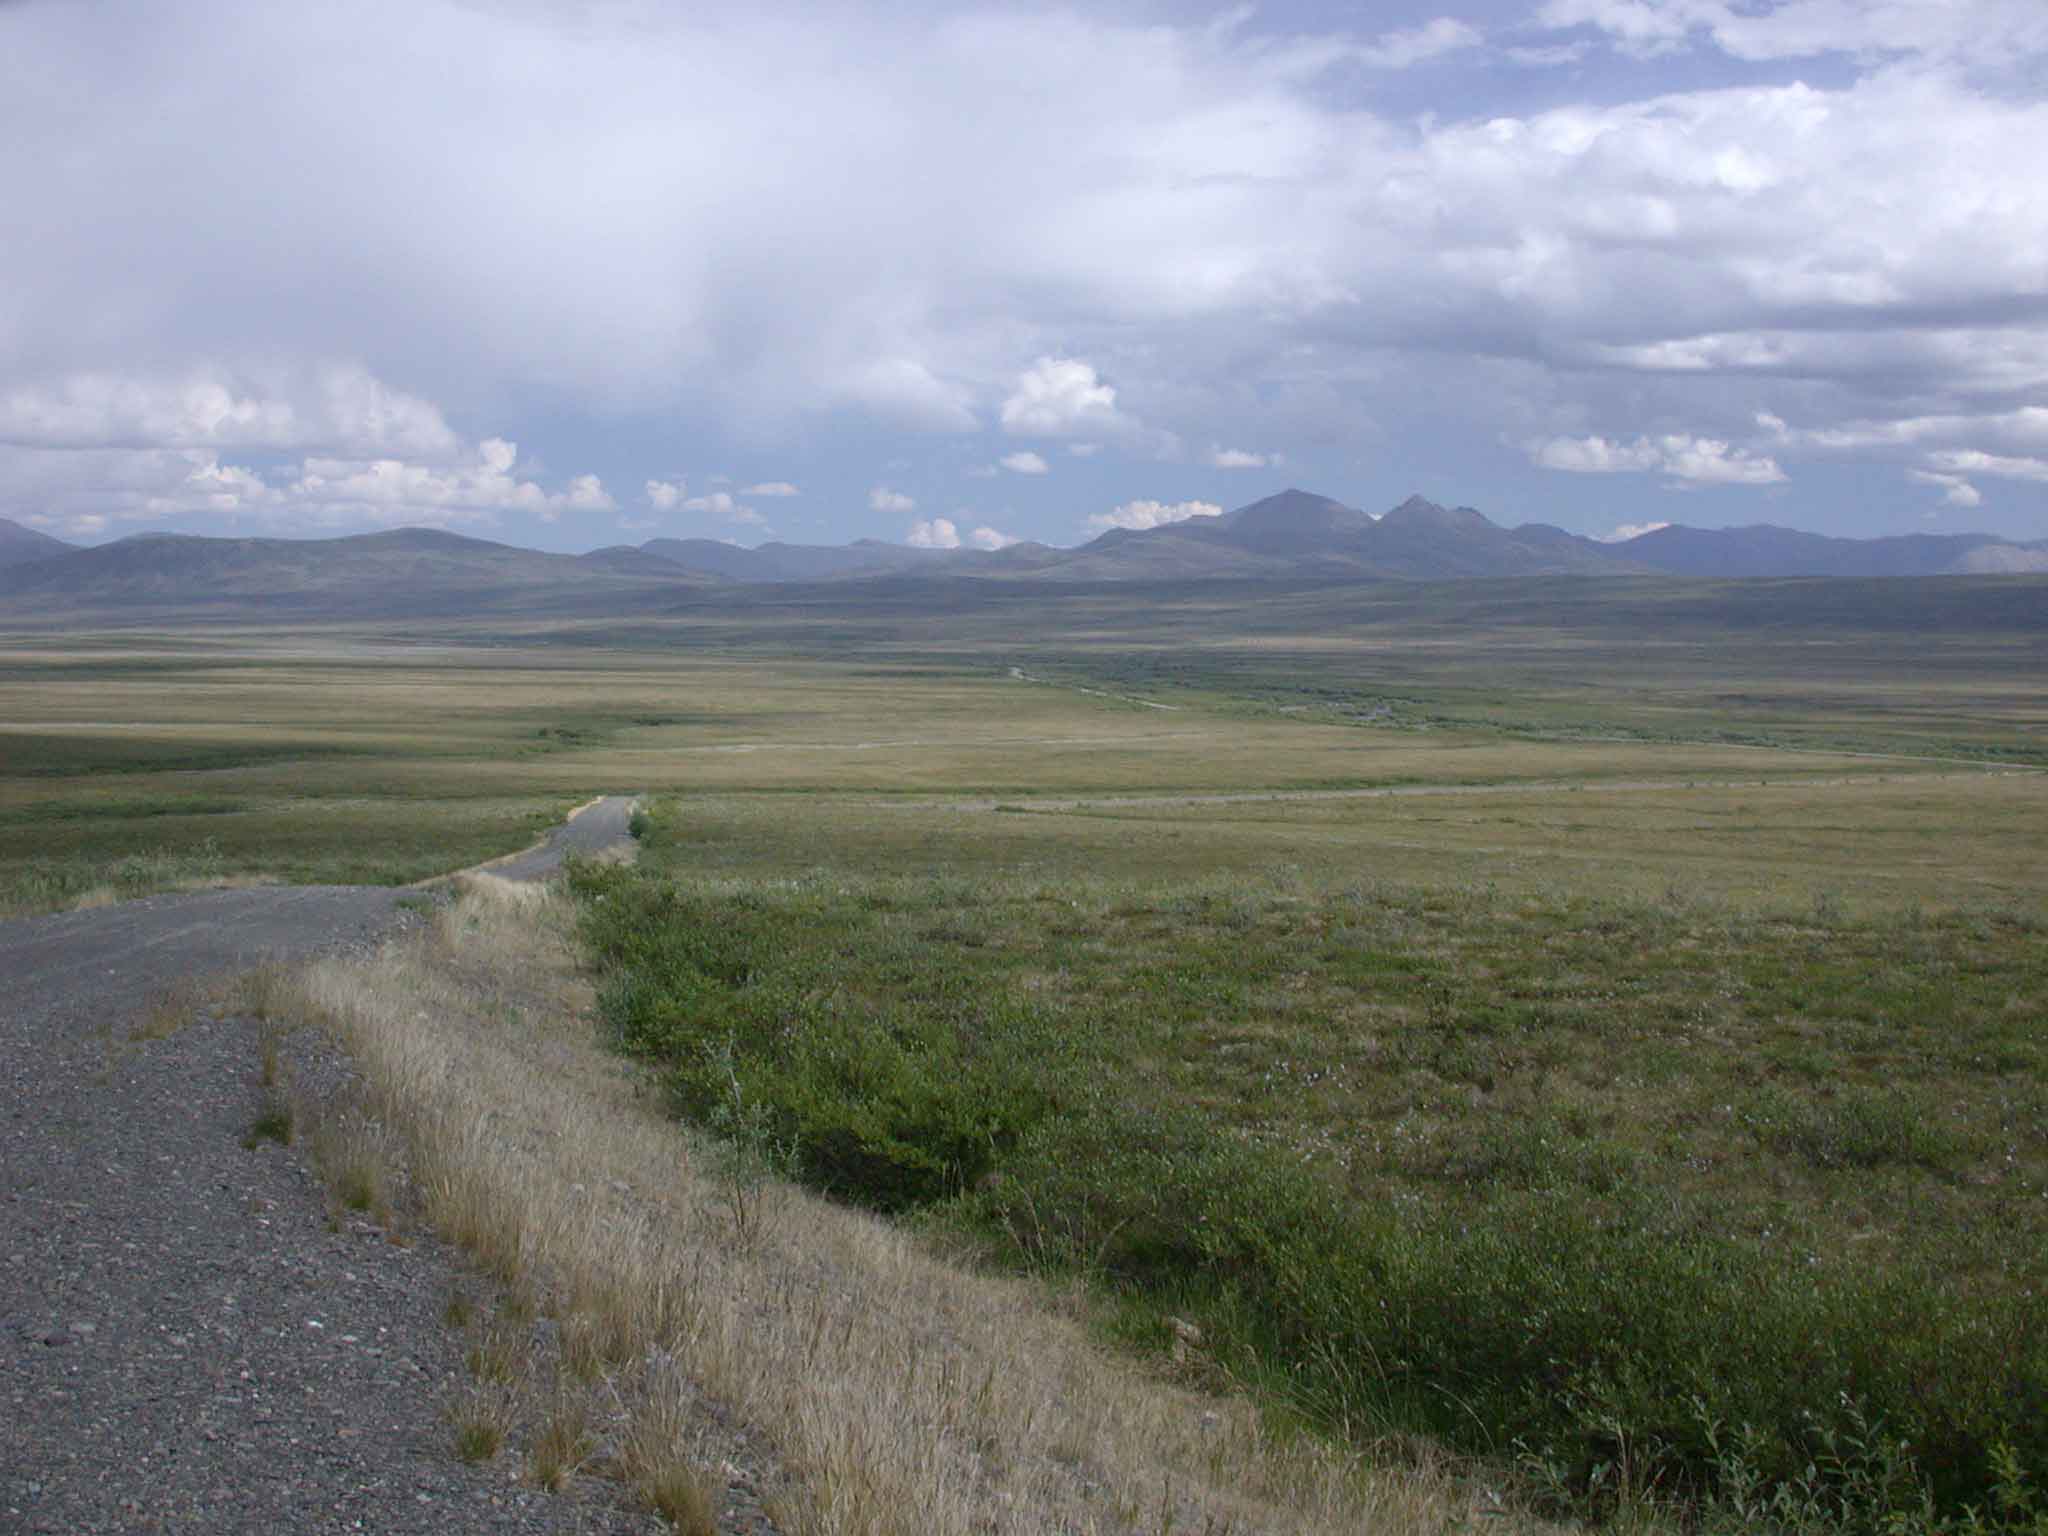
pixel 240 229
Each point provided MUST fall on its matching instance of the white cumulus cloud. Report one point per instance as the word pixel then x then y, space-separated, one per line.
pixel 337 409
pixel 393 490
pixel 1237 458
pixel 986 537
pixel 724 504
pixel 882 499
pixel 771 488
pixel 1686 459
pixel 938 533
pixel 1972 461
pixel 666 495
pixel 1024 463
pixel 1061 397
pixel 1140 515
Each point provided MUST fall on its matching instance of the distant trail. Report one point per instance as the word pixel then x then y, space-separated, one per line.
pixel 591 828
pixel 884 744
pixel 1101 693
pixel 1404 791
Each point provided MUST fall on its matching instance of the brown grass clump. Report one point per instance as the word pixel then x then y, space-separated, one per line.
pixel 900 1392
pixel 564 1442
pixel 174 1005
pixel 356 1155
pixel 480 1417
pixel 663 1457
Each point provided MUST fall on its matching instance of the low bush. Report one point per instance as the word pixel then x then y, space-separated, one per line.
pixel 892 1107
pixel 1549 1298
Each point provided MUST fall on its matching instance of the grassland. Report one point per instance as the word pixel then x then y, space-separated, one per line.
pixel 1502 1164
pixel 131 761
pixel 1599 1033
pixel 686 1294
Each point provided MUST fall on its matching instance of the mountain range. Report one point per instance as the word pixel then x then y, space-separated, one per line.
pixel 1294 535
pixel 19 545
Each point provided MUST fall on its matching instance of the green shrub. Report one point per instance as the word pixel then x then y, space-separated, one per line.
pixel 1547 1298
pixel 889 1106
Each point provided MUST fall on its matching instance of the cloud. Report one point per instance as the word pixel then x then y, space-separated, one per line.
pixel 1024 462
pixel 1236 458
pixel 1969 461
pixel 1405 49
pixel 990 538
pixel 724 504
pixel 1626 531
pixel 392 490
pixel 904 392
pixel 1688 460
pixel 1084 450
pixel 882 499
pixel 1248 239
pixel 771 488
pixel 1151 514
pixel 88 492
pixel 666 495
pixel 586 493
pixel 1958 492
pixel 1804 29
pixel 1059 397
pixel 1641 27
pixel 334 408
pixel 1546 55
pixel 939 533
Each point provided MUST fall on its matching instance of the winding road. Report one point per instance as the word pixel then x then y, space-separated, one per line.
pixel 191 1338
pixel 107 961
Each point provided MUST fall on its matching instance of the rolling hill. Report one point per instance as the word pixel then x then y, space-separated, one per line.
pixel 1291 538
pixel 1765 550
pixel 834 562
pixel 21 546
pixel 1298 534
pixel 409 572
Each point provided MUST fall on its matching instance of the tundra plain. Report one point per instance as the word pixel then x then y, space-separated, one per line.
pixel 1594 1029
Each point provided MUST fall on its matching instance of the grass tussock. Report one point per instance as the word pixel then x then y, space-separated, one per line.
pixel 177 1003
pixel 277 1121
pixel 564 1442
pixel 663 1457
pixel 893 1386
pixel 480 1419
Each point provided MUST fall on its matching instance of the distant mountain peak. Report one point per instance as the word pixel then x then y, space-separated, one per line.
pixel 1295 511
pixel 21 546
pixel 1420 512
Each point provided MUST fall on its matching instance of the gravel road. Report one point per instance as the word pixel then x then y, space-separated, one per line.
pixel 186 1342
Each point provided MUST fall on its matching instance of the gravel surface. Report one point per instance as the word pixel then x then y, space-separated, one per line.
pixel 189 1341
pixel 591 829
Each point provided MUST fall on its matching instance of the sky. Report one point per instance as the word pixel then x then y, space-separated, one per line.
pixel 572 275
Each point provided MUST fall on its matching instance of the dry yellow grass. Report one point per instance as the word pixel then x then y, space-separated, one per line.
pixel 900 1392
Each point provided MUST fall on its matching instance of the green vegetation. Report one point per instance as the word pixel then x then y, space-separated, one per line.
pixel 274 1123
pixel 1706 1193
pixel 1595 1026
